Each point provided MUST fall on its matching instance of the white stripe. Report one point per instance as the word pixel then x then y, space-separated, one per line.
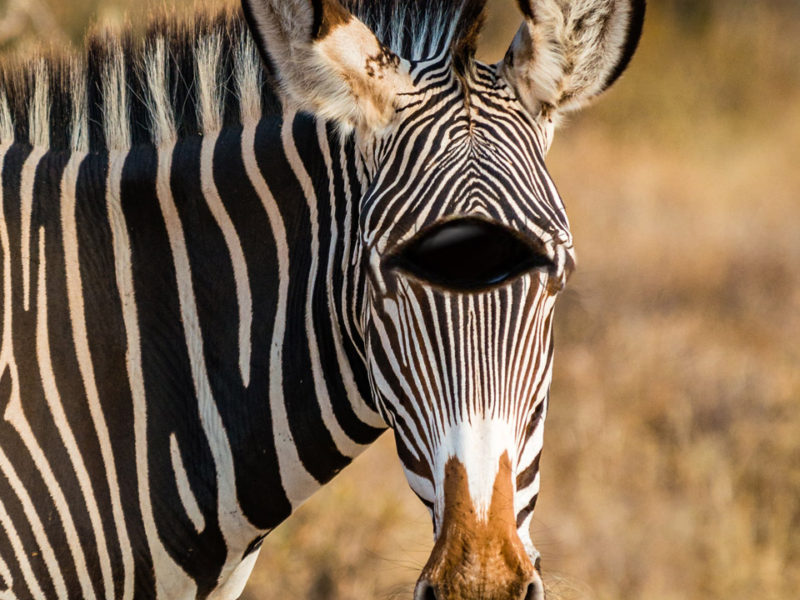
pixel 420 413
pixel 53 399
pixel 6 123
pixel 39 107
pixel 441 358
pixel 297 482
pixel 432 358
pixel 22 560
pixel 38 529
pixel 236 529
pixel 171 580
pixel 233 585
pixel 7 363
pixel 86 367
pixel 353 255
pixel 21 557
pixel 362 410
pixel 243 294
pixel 422 486
pixel 26 208
pixel 184 488
pixel 345 445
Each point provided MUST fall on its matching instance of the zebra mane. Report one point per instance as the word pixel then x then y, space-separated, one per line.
pixel 178 76
pixel 419 29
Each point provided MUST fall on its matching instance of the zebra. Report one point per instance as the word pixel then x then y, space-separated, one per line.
pixel 237 248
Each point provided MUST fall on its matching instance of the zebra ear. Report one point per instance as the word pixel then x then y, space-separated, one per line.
pixel 567 53
pixel 327 61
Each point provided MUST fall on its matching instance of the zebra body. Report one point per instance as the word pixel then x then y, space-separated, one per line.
pixel 206 314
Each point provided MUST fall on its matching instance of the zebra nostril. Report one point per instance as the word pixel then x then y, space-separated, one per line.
pixel 535 591
pixel 531 592
pixel 425 591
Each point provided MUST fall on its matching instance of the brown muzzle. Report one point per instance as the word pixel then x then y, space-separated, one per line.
pixel 478 557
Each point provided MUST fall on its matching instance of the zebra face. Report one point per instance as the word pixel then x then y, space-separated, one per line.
pixel 463 243
pixel 465 249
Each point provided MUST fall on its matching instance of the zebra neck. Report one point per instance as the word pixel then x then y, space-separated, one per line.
pixel 261 225
pixel 200 308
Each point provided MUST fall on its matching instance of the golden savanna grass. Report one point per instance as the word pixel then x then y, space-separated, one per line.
pixel 672 453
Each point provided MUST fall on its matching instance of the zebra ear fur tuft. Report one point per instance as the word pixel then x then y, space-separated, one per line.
pixel 327 61
pixel 567 53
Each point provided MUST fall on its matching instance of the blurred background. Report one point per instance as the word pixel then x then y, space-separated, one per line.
pixel 672 456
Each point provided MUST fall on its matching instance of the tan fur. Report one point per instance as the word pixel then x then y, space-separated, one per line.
pixel 477 558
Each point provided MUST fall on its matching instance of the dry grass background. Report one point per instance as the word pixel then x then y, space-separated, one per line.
pixel 672 455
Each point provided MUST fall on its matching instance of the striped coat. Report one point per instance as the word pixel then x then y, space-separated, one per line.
pixel 212 301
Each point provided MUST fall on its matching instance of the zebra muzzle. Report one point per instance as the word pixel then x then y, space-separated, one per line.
pixel 478 555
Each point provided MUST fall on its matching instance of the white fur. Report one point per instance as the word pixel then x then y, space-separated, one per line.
pixel 26 189
pixel 39 107
pixel 244 295
pixel 298 483
pixel 173 582
pixel 233 582
pixel 76 462
pixel 329 77
pixel 86 367
pixel 79 141
pixel 185 492
pixel 477 443
pixel 6 122
pixel 564 58
pixel 116 125
pixel 162 119
pixel 248 76
pixel 209 88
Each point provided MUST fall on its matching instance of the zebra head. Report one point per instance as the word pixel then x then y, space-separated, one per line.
pixel 463 244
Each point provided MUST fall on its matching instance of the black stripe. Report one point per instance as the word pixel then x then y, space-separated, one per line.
pixel 315 446
pixel 247 416
pixel 105 330
pixel 68 381
pixel 322 301
pixel 12 582
pixel 527 510
pixel 30 390
pixel 171 402
pixel 24 534
pixel 527 475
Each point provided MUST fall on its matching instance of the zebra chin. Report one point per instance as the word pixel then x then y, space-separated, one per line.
pixel 478 553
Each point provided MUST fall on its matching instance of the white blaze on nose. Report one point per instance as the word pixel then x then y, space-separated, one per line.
pixel 478 445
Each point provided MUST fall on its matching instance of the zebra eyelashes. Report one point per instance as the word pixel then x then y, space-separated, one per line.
pixel 467 254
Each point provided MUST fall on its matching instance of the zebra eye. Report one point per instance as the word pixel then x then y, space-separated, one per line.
pixel 468 254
